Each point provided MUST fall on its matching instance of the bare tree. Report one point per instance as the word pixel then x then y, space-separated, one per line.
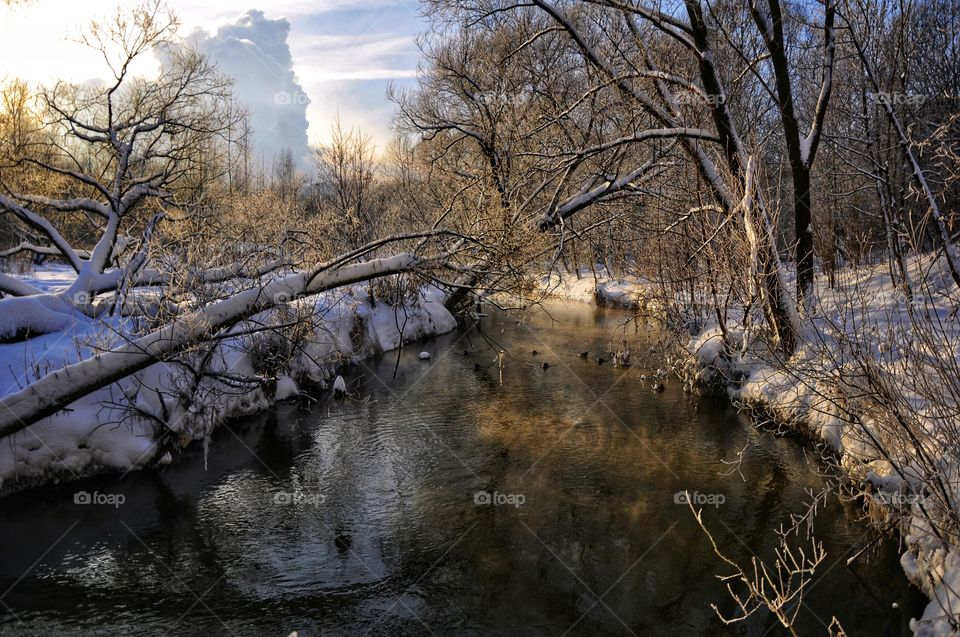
pixel 858 18
pixel 124 148
pixel 347 174
pixel 778 587
pixel 613 40
pixel 769 17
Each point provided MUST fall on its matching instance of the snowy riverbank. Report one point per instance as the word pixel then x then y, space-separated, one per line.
pixel 598 287
pixel 137 421
pixel 857 385
pixel 866 382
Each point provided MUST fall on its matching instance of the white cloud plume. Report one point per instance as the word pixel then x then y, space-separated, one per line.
pixel 253 49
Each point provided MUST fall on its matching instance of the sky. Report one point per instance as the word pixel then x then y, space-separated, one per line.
pixel 296 63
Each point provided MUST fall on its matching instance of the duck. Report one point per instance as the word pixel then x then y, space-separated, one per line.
pixel 545 365
pixel 534 353
pixel 600 361
pixel 342 540
pixel 583 354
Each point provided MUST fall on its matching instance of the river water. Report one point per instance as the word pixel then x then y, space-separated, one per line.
pixel 370 515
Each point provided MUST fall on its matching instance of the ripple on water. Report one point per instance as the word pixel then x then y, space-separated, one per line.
pixel 382 509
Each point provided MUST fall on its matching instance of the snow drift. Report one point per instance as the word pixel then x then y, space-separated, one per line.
pixel 118 428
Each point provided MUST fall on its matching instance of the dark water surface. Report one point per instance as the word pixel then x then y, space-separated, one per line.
pixel 359 517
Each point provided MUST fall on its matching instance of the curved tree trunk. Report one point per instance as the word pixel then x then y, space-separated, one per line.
pixel 58 389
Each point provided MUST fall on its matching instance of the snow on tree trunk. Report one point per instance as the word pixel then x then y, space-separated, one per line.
pixel 58 389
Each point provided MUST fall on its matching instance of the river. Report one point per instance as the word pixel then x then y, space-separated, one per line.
pixel 438 501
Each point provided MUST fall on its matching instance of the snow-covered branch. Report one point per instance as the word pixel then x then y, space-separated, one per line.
pixel 74 204
pixel 37 222
pixel 812 139
pixel 596 194
pixel 58 389
pixel 16 287
pixel 49 251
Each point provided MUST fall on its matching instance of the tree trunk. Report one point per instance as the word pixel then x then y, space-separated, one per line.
pixel 803 228
pixel 58 389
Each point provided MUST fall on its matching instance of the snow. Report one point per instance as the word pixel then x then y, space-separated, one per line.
pixel 53 277
pixel 805 144
pixel 807 396
pixel 624 292
pixel 286 389
pixel 42 313
pixel 102 431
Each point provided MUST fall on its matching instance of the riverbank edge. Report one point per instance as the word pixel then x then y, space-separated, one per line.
pixel 774 395
pixel 348 326
pixel 597 287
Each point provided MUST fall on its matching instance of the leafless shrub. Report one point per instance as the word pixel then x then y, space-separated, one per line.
pixel 778 587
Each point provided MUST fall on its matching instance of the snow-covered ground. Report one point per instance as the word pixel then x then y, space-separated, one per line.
pixel 625 292
pixel 860 383
pixel 112 429
pixel 816 393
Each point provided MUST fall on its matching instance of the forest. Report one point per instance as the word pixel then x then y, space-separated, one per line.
pixel 765 192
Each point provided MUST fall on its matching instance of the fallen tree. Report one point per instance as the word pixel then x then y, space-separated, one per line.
pixel 58 389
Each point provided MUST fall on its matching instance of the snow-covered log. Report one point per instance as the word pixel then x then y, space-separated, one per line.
pixel 58 389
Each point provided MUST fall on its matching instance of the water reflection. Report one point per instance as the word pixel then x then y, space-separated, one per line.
pixel 360 517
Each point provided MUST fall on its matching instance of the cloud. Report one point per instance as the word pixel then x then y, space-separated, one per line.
pixel 253 49
pixel 344 54
pixel 364 74
pixel 357 57
pixel 348 57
